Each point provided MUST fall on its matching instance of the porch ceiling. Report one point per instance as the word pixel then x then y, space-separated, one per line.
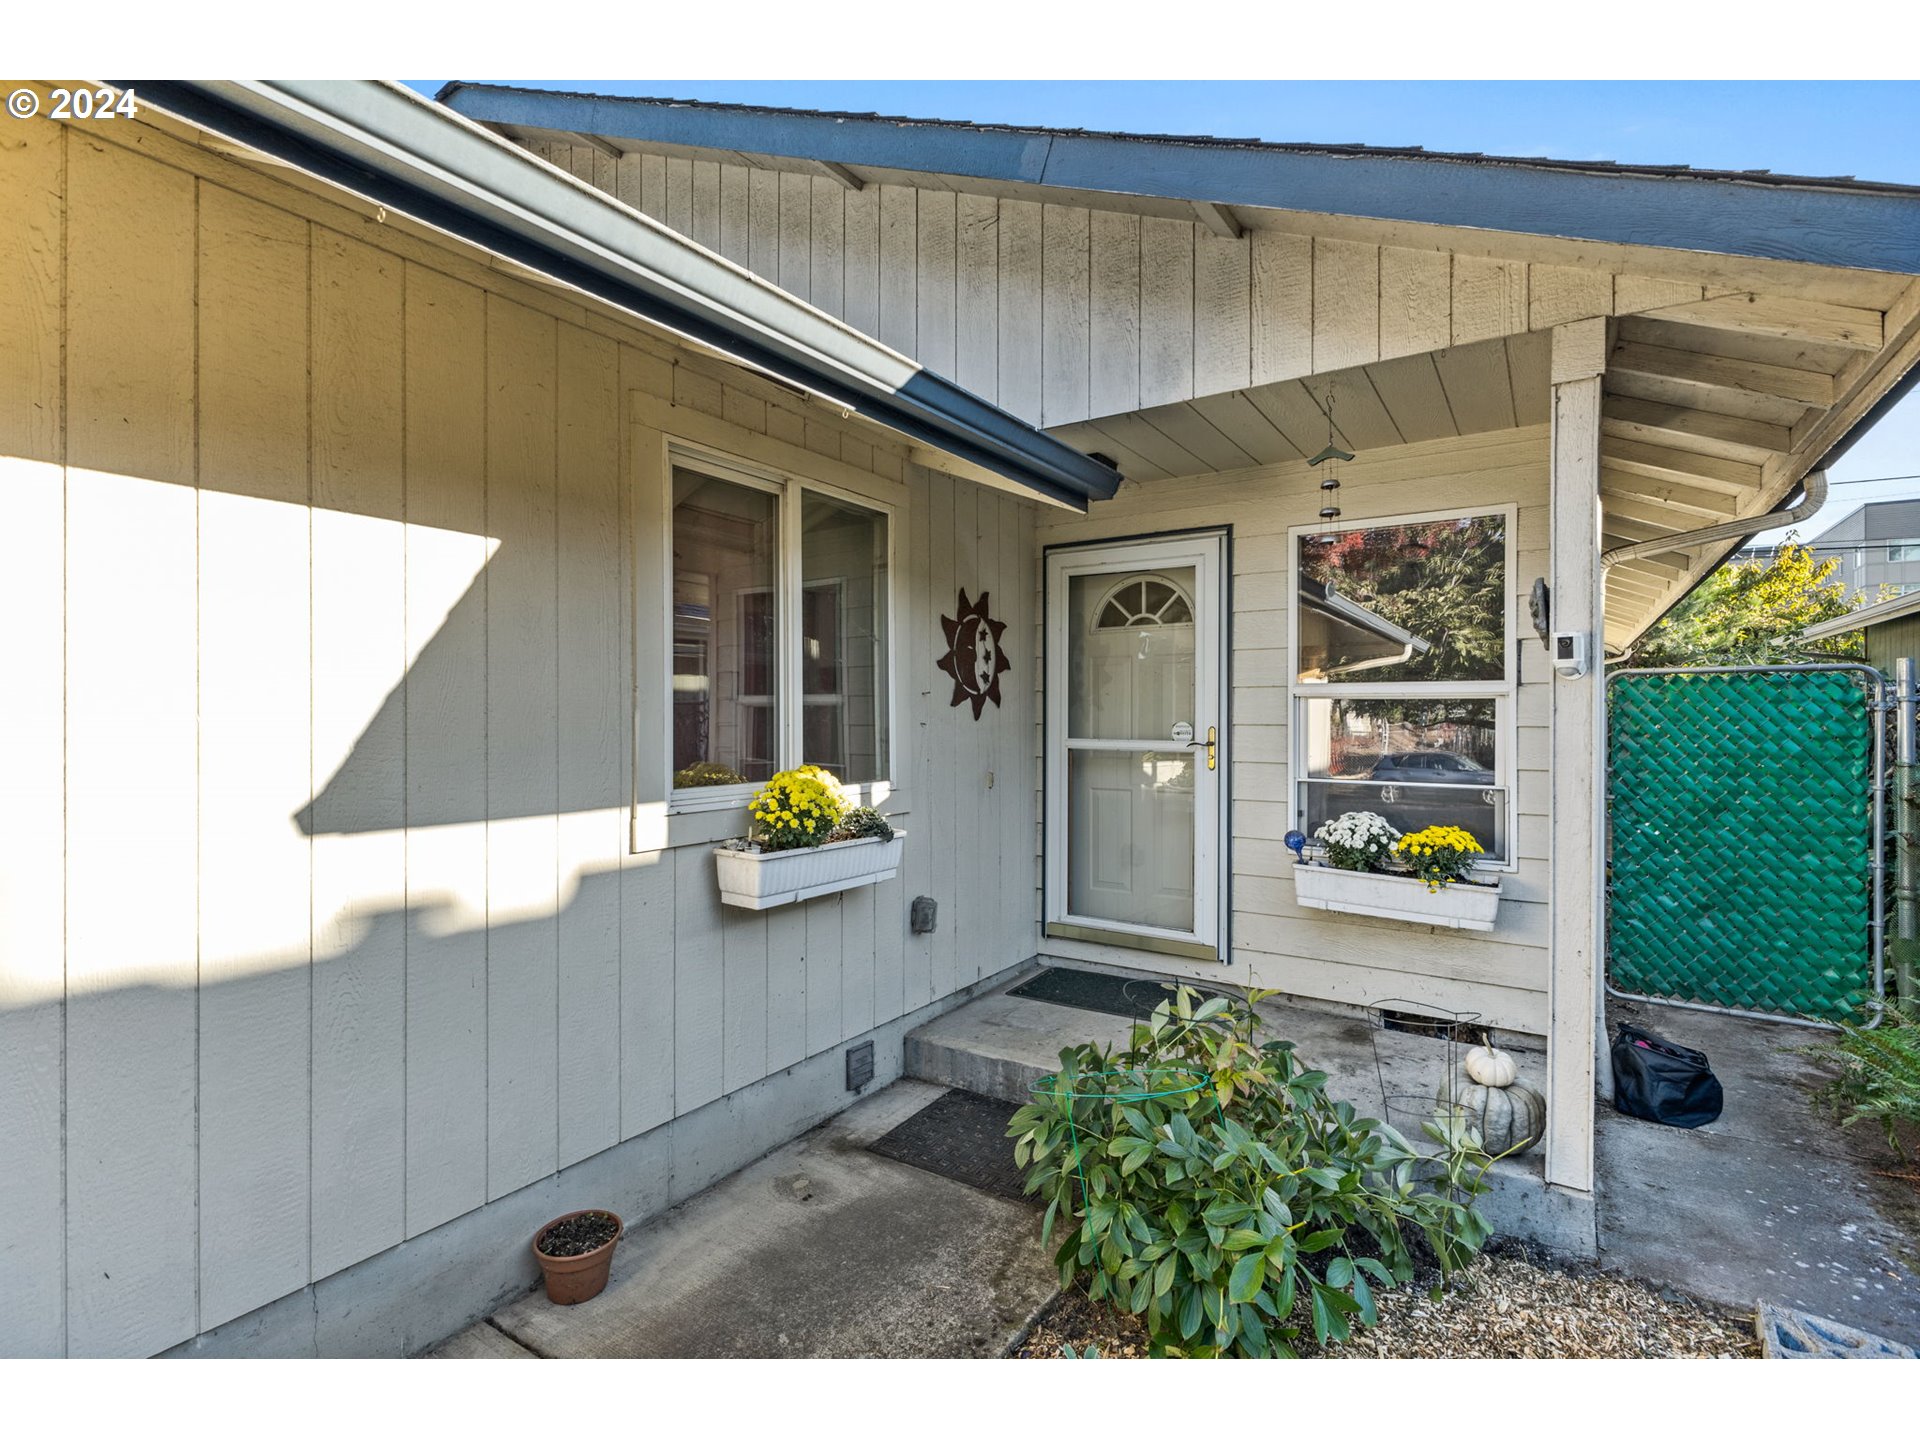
pixel 1714 410
pixel 1493 385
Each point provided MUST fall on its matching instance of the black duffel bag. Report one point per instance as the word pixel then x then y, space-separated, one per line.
pixel 1654 1079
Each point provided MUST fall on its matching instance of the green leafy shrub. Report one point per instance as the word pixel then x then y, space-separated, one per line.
pixel 1879 1071
pixel 861 823
pixel 1208 1184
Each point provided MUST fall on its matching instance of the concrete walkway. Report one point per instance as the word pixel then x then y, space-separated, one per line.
pixel 1773 1201
pixel 819 1249
pixel 825 1249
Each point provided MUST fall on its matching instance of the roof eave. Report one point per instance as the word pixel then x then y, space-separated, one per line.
pixel 1861 227
pixel 396 149
pixel 1864 618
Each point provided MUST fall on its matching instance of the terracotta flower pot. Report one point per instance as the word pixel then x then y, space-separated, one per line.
pixel 573 1278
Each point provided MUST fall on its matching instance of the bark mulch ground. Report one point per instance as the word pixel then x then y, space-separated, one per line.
pixel 1505 1306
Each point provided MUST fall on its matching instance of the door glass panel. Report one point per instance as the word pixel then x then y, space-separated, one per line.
pixel 1130 654
pixel 1130 836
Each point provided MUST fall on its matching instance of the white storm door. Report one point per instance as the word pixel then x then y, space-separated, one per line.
pixel 1136 732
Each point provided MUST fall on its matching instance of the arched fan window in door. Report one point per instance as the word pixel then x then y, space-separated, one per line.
pixel 1140 601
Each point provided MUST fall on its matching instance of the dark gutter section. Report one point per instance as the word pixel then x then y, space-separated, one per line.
pixel 1821 223
pixel 926 408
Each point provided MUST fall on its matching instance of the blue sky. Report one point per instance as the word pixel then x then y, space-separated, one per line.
pixel 1805 128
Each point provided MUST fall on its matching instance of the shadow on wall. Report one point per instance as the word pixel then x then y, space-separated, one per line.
pixel 227 1144
pixel 476 737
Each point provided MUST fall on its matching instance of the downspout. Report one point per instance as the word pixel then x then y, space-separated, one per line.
pixel 1813 496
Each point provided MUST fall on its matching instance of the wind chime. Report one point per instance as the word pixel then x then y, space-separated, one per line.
pixel 1330 480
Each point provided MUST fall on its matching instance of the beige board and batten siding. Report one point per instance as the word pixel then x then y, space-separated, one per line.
pixel 1064 312
pixel 320 924
pixel 1353 959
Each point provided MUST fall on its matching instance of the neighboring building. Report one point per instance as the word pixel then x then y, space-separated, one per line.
pixel 1878 547
pixel 418 541
pixel 1891 629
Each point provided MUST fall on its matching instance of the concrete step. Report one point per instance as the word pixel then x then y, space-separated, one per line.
pixel 1001 1045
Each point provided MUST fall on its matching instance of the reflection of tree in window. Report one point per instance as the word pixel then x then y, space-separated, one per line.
pixel 1417 610
pixel 1444 581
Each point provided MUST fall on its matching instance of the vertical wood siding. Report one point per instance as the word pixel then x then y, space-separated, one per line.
pixel 1061 314
pixel 256 722
pixel 320 924
pixel 32 763
pixel 132 769
pixel 1353 959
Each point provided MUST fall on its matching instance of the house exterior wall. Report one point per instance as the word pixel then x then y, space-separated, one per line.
pixel 1891 641
pixel 340 897
pixel 1062 313
pixel 1352 959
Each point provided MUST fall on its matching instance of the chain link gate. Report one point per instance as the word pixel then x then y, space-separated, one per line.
pixel 1746 828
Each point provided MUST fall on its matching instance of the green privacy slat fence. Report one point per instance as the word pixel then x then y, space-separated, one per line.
pixel 1742 810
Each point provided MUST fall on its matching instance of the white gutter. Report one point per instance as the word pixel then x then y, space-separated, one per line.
pixel 1814 495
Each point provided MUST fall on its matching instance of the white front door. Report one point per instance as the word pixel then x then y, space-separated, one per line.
pixel 1136 752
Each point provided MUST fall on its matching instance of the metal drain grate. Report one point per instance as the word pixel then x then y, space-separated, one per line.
pixel 962 1136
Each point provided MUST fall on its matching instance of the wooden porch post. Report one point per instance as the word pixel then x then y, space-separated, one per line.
pixel 1576 846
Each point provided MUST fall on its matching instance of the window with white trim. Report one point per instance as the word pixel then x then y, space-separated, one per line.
pixel 1403 688
pixel 780 595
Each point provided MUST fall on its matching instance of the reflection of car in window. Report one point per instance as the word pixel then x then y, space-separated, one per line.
pixel 1430 767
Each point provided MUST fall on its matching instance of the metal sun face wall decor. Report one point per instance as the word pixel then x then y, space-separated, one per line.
pixel 974 655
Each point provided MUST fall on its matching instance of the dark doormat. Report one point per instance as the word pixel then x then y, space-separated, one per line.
pixel 1091 990
pixel 962 1136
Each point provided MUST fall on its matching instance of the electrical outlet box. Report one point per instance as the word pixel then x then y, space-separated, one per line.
pixel 1570 653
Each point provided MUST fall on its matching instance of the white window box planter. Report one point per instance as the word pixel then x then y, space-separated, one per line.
pixel 760 880
pixel 1459 906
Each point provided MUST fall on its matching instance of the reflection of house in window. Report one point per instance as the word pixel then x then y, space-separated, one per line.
pixel 822 677
pixel 843 662
pixel 1339 637
pixel 822 674
pixel 759 679
pixel 692 643
pixel 723 630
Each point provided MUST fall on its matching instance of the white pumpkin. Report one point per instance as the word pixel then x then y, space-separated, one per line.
pixel 1508 1118
pixel 1490 1067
